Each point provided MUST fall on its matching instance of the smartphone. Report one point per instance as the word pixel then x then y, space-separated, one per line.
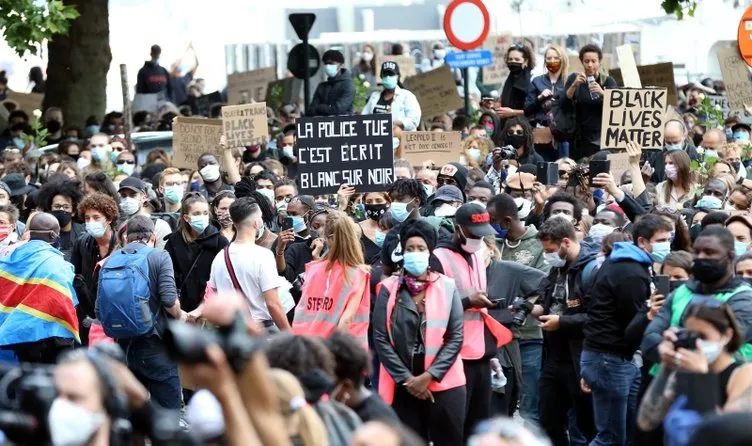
pixel 598 166
pixel 287 223
pixel 662 284
pixel 547 174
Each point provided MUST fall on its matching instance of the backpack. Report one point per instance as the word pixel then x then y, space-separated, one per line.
pixel 588 273
pixel 169 217
pixel 561 121
pixel 123 294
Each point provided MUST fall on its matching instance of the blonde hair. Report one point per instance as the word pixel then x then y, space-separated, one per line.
pixel 344 240
pixel 484 145
pixel 564 60
pixel 493 250
pixel 168 171
pixel 729 148
pixel 301 419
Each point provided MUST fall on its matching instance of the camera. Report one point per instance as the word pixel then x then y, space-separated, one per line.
pixel 521 308
pixel 686 339
pixel 187 343
pixel 26 395
pixel 508 153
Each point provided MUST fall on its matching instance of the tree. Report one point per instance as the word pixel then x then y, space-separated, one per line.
pixel 27 24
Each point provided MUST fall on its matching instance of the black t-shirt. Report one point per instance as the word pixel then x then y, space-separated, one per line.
pixel 374 408
pixel 383 106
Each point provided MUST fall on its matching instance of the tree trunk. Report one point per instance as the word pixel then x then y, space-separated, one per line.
pixel 78 64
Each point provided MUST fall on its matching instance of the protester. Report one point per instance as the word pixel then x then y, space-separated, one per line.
pixel 366 65
pixel 401 103
pixel 133 196
pixel 154 78
pixel 335 95
pixel 520 62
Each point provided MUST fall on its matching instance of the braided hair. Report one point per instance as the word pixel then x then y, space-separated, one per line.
pixel 246 187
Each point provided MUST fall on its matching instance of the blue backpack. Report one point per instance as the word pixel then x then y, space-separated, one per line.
pixel 123 295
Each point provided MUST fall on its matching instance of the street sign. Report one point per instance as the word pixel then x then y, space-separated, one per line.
pixel 302 24
pixel 467 59
pixel 296 60
pixel 466 23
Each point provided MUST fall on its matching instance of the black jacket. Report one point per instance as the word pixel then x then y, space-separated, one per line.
pixel 566 343
pixel 334 96
pixel 153 78
pixel 397 359
pixel 192 264
pixel 514 91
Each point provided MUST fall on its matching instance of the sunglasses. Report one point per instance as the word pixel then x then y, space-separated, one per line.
pixel 517 46
pixel 121 162
pixel 516 132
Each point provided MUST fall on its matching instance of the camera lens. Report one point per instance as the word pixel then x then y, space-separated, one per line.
pixel 187 343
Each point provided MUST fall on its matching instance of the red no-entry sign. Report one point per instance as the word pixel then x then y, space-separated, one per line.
pixel 466 23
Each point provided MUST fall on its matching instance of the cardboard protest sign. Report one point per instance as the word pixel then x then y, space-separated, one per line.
pixel 655 75
pixel 245 125
pixel 439 147
pixel 628 66
pixel 619 165
pixel 720 101
pixel 148 102
pixel 575 66
pixel 435 90
pixel 283 91
pixel 633 115
pixel 337 150
pixel 735 77
pixel 27 102
pixel 193 136
pixel 496 72
pixel 243 88
pixel 406 65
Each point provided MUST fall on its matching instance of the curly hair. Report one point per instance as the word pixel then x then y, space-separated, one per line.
pixel 246 187
pixel 527 130
pixel 408 188
pixel 352 361
pixel 67 188
pixel 102 203
pixel 300 355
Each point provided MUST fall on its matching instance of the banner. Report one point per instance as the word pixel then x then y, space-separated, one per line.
pixel 633 115
pixel 735 77
pixel 405 63
pixel 495 73
pixel 243 88
pixel 656 75
pixel 193 136
pixel 720 101
pixel 245 125
pixel 337 150
pixel 436 91
pixel 27 102
pixel 439 147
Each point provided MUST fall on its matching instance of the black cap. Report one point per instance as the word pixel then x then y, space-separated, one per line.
pixel 17 184
pixel 448 193
pixel 334 56
pixel 389 68
pixel 475 218
pixel 743 126
pixel 133 184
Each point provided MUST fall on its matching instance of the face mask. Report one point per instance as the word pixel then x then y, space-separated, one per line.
pixel 737 165
pixel 672 147
pixel 330 70
pixel 709 202
pixel 523 207
pixel 95 229
pixel 475 153
pixel 114 156
pixel 225 220
pixel 63 217
pixel 127 168
pixel 195 185
pixel 19 143
pixel 98 154
pixel 671 172
pixel 379 238
pixel 395 143
pixel 660 251
pixel 711 349
pixel 415 263
pixel 173 194
pixel 562 215
pixel 554 259
pixel 129 206
pixel 439 54
pixel 445 210
pixel 674 284
pixel 710 153
pixel 389 82
pixel 470 245
pixel 269 194
pixel 287 152
pixel 697 139
pixel 367 57
pixel 489 128
pixel 375 211
pixel 479 203
pixel 298 224
pixel 281 206
pixel 500 232
pixel 91 130
pixel 514 67
pixel 399 211
pixel 71 424
pixel 210 173
pixel 599 231
pixel 741 136
pixel 516 141
pixel 199 223
pixel 83 163
pixel 553 66
pixel 429 189
pixel 740 248
pixel 262 228
pixel 708 270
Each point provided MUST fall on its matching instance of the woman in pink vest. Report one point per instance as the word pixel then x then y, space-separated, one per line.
pixel 418 331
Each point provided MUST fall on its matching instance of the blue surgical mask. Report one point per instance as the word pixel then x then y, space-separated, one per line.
pixel 709 202
pixel 298 224
pixel 330 70
pixel 660 251
pixel 429 189
pixel 95 228
pixel 740 248
pixel 741 136
pixel 672 147
pixel 500 232
pixel 114 155
pixel 415 263
pixel 728 132
pixel 129 206
pixel 19 143
pixel 379 238
pixel 199 222
pixel 173 194
pixel 127 168
pixel 475 153
pixel 399 211
pixel 389 82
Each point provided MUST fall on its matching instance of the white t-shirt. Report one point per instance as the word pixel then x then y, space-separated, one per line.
pixel 256 271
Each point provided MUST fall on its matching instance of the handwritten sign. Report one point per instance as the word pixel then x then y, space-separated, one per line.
pixel 193 136
pixel 406 65
pixel 619 165
pixel 655 75
pixel 27 102
pixel 245 125
pixel 735 77
pixel 440 147
pixel 633 115
pixel 337 150
pixel 244 88
pixel 575 66
pixel 720 101
pixel 495 73
pixel 435 90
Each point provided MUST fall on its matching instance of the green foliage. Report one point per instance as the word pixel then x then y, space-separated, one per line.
pixel 711 116
pixel 38 136
pixel 701 168
pixel 679 7
pixel 362 88
pixel 28 23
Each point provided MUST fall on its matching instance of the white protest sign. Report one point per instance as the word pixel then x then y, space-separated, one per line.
pixel 633 115
pixel 628 66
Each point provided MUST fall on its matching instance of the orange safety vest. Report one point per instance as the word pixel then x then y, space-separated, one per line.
pixel 470 280
pixel 326 294
pixel 438 303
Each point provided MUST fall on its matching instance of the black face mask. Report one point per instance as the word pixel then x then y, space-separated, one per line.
pixel 748 280
pixel 674 284
pixel 709 270
pixel 63 217
pixel 697 139
pixel 694 231
pixel 53 126
pixel 736 165
pixel 516 141
pixel 375 211
pixel 514 67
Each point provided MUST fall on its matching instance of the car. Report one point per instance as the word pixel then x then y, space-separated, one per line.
pixel 145 142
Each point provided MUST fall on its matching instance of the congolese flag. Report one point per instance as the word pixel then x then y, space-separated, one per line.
pixel 37 300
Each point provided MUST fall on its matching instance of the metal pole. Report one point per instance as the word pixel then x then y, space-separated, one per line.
pixel 127 113
pixel 307 78
pixel 466 77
